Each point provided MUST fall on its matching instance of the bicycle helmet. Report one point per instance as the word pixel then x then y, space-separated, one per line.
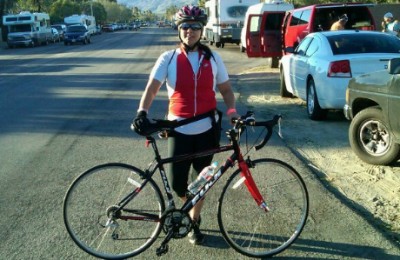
pixel 190 13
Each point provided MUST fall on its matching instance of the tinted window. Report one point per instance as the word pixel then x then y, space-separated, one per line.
pixel 305 17
pixel 274 21
pixel 359 16
pixel 364 43
pixel 237 11
pixel 76 29
pixel 313 47
pixel 301 49
pixel 295 18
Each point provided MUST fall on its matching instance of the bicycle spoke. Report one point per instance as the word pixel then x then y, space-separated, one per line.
pixel 264 233
pixel 94 217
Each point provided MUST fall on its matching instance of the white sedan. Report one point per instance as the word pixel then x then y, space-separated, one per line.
pixel 320 68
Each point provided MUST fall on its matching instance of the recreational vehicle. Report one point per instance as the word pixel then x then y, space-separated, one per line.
pixel 87 20
pixel 225 20
pixel 27 29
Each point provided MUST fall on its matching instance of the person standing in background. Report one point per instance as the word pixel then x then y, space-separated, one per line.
pixel 390 25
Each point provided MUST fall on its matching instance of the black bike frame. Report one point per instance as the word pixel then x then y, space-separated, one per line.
pixel 192 201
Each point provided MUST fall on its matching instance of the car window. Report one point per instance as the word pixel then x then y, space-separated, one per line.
pixel 363 43
pixel 313 47
pixel 76 29
pixel 301 49
pixel 359 17
pixel 295 18
pixel 274 21
pixel 305 17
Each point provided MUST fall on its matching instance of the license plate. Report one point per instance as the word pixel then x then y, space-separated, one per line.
pixel 73 40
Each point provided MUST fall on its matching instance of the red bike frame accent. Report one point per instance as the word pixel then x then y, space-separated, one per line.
pixel 251 185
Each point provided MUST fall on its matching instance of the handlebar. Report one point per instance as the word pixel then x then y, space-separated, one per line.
pixel 162 126
pixel 249 120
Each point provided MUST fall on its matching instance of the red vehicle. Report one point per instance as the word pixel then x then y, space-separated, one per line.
pixel 270 33
pixel 302 21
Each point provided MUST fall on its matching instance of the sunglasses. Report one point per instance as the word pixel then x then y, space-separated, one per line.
pixel 193 26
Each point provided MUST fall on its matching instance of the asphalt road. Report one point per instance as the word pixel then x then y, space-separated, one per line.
pixel 64 109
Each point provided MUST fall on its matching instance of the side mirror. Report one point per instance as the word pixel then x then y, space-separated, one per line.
pixel 289 49
pixel 394 66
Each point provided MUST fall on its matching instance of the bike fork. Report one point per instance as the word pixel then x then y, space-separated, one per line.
pixel 251 185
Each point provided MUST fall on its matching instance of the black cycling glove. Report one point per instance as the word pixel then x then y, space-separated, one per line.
pixel 141 124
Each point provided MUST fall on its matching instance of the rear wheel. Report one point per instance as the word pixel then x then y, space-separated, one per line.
pixel 282 87
pixel 95 219
pixel 314 111
pixel 242 49
pixel 260 233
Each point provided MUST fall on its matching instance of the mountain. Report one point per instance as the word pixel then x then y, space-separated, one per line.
pixel 156 6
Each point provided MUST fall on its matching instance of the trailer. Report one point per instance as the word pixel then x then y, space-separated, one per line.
pixel 87 20
pixel 27 29
pixel 225 20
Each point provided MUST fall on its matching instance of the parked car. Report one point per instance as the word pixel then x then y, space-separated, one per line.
pixel 372 105
pixel 320 68
pixel 110 27
pixel 76 33
pixel 55 35
pixel 61 28
pixel 98 30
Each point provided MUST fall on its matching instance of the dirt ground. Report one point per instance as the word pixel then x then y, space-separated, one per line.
pixel 372 190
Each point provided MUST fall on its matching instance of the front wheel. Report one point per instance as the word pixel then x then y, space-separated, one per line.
pixel 112 212
pixel 371 139
pixel 249 229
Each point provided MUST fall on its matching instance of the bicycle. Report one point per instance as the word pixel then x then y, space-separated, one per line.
pixel 116 210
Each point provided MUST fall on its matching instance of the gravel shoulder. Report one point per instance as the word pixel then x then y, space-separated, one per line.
pixel 324 147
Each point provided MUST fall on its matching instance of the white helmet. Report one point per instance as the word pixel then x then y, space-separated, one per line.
pixel 388 15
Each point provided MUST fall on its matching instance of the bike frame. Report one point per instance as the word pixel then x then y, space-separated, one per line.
pixel 193 200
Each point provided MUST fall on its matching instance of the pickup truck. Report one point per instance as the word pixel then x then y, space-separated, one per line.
pixel 373 106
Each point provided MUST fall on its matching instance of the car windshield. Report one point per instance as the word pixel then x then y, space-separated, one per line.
pixel 76 29
pixel 363 43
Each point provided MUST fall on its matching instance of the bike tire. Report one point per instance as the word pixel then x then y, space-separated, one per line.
pixel 94 192
pixel 249 229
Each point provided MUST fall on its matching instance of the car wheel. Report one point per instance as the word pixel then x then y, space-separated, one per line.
pixel 218 44
pixel 84 41
pixel 370 138
pixel 274 62
pixel 282 87
pixel 242 49
pixel 314 111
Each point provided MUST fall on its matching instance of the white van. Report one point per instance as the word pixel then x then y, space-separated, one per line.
pixel 256 16
pixel 262 34
pixel 225 20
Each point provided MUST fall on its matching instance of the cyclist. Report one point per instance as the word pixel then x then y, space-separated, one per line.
pixel 193 73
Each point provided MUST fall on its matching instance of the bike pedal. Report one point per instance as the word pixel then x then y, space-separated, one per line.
pixel 162 250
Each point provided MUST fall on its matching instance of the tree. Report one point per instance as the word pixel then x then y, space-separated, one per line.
pixel 63 8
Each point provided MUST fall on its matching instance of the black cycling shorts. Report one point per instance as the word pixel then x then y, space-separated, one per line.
pixel 178 173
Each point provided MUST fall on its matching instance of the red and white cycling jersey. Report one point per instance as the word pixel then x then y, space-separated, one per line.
pixel 191 83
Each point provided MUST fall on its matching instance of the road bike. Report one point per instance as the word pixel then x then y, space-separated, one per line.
pixel 116 210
